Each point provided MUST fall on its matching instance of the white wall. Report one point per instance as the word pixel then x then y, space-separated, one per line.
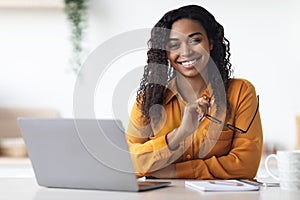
pixel 263 34
pixel 34 51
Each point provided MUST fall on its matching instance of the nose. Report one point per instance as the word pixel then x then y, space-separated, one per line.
pixel 185 50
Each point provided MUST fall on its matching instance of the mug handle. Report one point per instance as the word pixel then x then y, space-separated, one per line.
pixel 267 166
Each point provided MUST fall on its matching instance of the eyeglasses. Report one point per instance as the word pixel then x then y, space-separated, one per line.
pixel 232 127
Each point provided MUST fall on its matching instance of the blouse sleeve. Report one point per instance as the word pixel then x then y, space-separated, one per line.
pixel 148 155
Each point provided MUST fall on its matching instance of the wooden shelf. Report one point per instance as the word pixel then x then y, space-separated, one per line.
pixel 53 4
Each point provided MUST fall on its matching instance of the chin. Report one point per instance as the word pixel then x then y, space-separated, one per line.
pixel 191 74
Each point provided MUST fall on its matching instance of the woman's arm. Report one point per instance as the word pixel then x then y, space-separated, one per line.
pixel 153 154
pixel 147 154
pixel 243 159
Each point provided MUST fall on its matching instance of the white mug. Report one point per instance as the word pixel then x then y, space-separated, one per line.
pixel 288 164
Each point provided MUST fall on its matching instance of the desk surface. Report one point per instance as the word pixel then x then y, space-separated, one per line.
pixel 27 189
pixel 17 181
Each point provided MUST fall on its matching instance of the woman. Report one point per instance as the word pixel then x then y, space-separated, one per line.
pixel 191 119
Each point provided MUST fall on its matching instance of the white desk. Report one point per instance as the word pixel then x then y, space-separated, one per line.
pixel 27 189
pixel 17 181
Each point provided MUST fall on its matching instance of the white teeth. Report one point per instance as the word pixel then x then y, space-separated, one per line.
pixel 192 62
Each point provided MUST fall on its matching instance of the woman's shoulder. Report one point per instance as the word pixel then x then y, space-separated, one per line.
pixel 240 83
pixel 240 88
pixel 241 93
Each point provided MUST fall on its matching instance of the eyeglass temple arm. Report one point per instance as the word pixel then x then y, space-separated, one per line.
pixel 245 131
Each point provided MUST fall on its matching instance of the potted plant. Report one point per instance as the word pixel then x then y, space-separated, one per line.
pixel 77 16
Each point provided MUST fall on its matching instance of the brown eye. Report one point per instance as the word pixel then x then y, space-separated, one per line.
pixel 194 41
pixel 173 46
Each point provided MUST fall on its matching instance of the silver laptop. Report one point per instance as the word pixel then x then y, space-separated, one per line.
pixel 81 153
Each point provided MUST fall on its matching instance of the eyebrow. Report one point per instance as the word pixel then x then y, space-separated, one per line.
pixel 190 35
pixel 197 33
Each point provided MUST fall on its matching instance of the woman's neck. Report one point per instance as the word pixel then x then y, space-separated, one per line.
pixel 190 88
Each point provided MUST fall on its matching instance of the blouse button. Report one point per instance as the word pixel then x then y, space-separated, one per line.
pixel 188 156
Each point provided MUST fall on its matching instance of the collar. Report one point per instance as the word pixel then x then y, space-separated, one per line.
pixel 172 91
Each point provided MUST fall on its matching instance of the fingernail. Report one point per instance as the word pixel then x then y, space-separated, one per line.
pixel 200 116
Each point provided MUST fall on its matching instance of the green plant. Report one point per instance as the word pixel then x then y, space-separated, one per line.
pixel 77 14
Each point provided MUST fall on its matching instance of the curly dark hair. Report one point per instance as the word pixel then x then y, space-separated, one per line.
pixel 157 73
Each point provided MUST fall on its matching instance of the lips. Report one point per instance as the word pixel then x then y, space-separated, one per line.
pixel 189 63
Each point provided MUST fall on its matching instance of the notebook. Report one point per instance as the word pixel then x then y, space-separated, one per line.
pixel 221 186
pixel 81 154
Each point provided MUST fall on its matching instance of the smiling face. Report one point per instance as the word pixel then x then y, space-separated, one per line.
pixel 188 47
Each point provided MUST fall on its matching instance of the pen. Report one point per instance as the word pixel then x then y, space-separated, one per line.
pixel 226 183
pixel 250 182
pixel 257 183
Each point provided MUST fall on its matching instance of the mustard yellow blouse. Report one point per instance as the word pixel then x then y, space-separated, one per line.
pixel 209 153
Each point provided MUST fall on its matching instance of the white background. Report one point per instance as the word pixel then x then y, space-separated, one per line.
pixel 35 47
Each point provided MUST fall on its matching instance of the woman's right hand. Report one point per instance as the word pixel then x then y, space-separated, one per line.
pixel 192 116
